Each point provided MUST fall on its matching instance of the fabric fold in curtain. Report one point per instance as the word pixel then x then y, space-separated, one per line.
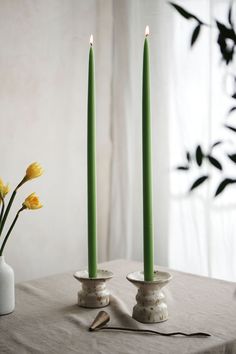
pixel 129 21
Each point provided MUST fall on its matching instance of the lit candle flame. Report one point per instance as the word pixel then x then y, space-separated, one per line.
pixel 91 40
pixel 147 31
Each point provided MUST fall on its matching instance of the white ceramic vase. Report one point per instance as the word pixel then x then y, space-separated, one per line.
pixel 7 288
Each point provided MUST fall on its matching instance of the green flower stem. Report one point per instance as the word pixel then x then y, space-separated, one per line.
pixel 5 215
pixel 2 209
pixel 10 230
pixel 25 179
pixel 7 210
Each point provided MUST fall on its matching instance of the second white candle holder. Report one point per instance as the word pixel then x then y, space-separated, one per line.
pixel 94 293
pixel 151 306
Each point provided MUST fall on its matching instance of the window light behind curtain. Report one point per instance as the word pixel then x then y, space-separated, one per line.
pixel 202 235
pixel 193 233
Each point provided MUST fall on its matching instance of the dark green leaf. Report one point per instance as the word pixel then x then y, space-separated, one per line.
pixel 184 13
pixel 232 157
pixel 226 49
pixel 231 110
pixel 223 185
pixel 216 143
pixel 226 31
pixel 230 15
pixel 230 127
pixel 199 155
pixel 182 168
pixel 214 162
pixel 188 156
pixel 195 34
pixel 198 182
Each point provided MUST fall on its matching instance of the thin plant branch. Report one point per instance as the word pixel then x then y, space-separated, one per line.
pixel 2 208
pixel 10 230
pixel 5 215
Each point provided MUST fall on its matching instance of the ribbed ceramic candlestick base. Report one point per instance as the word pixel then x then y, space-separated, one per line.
pixel 94 293
pixel 151 306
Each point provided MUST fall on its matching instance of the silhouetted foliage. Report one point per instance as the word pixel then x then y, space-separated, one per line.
pixel 182 168
pixel 198 182
pixel 216 144
pixel 189 16
pixel 233 129
pixel 214 162
pixel 185 13
pixel 195 34
pixel 199 155
pixel 227 49
pixel 188 156
pixel 231 110
pixel 232 157
pixel 226 40
pixel 223 185
pixel 230 15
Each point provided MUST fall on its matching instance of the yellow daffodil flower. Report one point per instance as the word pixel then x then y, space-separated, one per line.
pixel 33 171
pixel 32 202
pixel 4 189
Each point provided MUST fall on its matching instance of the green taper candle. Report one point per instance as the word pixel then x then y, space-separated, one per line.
pixel 147 167
pixel 91 169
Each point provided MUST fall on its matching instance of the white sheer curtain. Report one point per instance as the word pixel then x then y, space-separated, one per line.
pixel 194 232
pixel 202 229
pixel 43 98
pixel 43 71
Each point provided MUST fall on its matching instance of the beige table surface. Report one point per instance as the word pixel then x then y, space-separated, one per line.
pixel 47 319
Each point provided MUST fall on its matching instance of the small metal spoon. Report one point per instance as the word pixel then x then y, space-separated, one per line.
pixel 103 318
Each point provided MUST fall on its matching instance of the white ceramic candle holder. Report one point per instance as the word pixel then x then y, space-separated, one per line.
pixel 94 293
pixel 151 306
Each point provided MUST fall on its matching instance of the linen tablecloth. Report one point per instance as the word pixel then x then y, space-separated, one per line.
pixel 47 319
